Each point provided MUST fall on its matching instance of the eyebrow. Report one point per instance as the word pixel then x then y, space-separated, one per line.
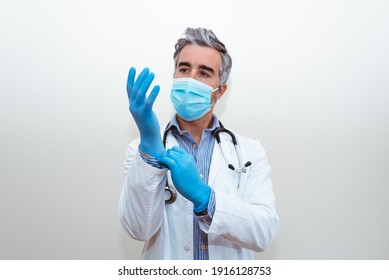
pixel 202 66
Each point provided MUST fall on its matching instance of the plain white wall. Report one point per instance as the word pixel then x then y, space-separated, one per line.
pixel 309 80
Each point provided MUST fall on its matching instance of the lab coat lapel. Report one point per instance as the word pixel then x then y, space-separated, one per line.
pixel 218 160
pixel 171 140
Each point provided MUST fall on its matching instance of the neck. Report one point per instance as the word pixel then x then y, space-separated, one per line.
pixel 196 127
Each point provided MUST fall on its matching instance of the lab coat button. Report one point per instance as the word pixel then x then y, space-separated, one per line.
pixel 186 248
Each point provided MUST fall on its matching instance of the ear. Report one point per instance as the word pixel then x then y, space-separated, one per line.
pixel 221 91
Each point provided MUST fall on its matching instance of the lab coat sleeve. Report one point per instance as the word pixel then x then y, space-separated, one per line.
pixel 141 201
pixel 248 219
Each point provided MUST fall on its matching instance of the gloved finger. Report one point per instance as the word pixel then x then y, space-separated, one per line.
pixel 145 86
pixel 179 150
pixel 167 161
pixel 139 81
pixel 179 155
pixel 152 96
pixel 130 81
pixel 175 151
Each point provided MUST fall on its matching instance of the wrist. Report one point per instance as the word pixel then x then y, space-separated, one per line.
pixel 202 213
pixel 202 204
pixel 153 151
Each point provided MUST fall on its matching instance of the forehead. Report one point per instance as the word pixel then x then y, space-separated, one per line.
pixel 200 55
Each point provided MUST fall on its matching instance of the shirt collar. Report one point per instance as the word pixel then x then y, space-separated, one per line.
pixel 174 123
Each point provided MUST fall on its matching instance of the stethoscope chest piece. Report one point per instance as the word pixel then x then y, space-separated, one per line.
pixel 170 195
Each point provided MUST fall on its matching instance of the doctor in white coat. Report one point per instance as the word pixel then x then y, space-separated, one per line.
pixel 193 198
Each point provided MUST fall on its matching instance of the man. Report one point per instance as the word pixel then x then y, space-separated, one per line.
pixel 219 212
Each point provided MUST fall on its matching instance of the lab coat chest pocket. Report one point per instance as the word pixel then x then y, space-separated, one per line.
pixel 227 181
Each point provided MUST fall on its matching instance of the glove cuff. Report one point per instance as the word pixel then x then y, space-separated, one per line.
pixel 148 153
pixel 203 204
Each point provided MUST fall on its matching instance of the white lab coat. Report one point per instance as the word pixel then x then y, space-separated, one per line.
pixel 245 219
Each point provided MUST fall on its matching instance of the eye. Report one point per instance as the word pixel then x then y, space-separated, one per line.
pixel 183 70
pixel 204 74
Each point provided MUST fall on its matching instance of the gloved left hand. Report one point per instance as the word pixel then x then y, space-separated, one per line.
pixel 141 109
pixel 186 177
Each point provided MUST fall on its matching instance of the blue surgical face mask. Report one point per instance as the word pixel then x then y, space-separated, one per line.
pixel 191 98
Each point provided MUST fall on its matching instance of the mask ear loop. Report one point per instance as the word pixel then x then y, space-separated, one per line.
pixel 218 88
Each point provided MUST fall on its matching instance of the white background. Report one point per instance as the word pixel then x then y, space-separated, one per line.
pixel 309 80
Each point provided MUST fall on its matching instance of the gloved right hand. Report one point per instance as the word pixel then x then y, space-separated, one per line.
pixel 186 177
pixel 141 109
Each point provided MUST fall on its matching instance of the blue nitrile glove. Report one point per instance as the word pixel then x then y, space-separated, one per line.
pixel 141 109
pixel 186 177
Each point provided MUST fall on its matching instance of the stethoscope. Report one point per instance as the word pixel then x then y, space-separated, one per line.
pixel 171 193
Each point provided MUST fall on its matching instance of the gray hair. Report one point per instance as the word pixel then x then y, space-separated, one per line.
pixel 204 37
